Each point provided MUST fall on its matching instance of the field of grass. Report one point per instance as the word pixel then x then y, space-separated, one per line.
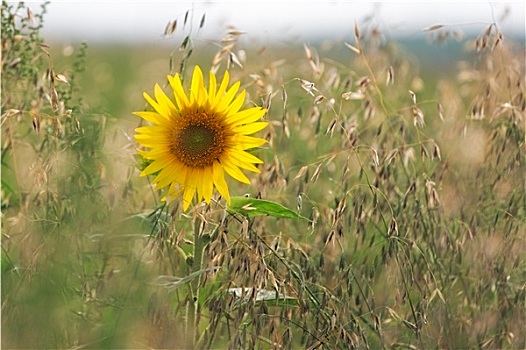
pixel 410 183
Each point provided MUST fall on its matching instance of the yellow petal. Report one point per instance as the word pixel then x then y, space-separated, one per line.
pixel 189 189
pixel 250 128
pixel 219 181
pixel 221 91
pixel 160 109
pixel 151 141
pixel 225 100
pixel 246 116
pixel 197 90
pixel 152 117
pixel 170 174
pixel 243 156
pixel 234 171
pixel 208 184
pixel 243 160
pixel 152 130
pixel 212 86
pixel 243 165
pixel 154 167
pixel 143 153
pixel 158 153
pixel 164 101
pixel 243 142
pixel 198 174
pixel 237 103
pixel 180 97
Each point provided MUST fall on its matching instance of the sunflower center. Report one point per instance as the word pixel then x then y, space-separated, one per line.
pixel 198 140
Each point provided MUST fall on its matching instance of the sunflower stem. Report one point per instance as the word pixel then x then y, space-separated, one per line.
pixel 193 315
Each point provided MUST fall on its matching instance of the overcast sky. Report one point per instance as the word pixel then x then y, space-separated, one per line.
pixel 144 21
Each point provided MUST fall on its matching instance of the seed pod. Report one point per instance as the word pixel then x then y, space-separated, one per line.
pixel 316 174
pixel 390 75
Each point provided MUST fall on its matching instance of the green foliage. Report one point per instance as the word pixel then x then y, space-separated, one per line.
pixel 413 186
pixel 23 49
pixel 254 207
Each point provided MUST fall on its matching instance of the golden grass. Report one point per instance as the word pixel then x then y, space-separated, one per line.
pixel 414 185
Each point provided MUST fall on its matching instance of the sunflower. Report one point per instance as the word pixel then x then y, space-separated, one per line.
pixel 193 142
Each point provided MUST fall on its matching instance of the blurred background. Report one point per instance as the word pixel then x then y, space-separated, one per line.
pixel 271 21
pixel 128 44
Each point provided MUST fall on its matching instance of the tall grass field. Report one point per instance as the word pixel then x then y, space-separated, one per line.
pixel 389 211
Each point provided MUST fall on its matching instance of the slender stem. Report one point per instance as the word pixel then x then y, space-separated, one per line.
pixel 192 326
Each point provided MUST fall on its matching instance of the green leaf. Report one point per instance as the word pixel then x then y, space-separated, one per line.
pixel 253 207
